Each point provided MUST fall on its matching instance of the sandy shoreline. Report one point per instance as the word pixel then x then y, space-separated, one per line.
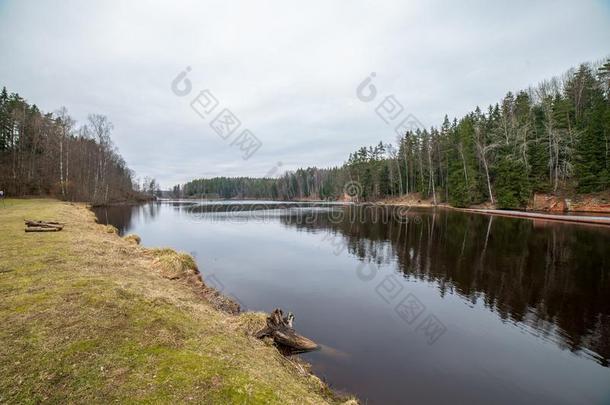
pixel 582 219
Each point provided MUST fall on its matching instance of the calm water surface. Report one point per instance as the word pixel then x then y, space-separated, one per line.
pixel 427 306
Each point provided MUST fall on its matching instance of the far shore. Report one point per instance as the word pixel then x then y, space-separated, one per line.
pixel 571 216
pixel 581 219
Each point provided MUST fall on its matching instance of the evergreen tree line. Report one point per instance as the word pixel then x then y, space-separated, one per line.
pixel 47 154
pixel 552 138
pixel 310 183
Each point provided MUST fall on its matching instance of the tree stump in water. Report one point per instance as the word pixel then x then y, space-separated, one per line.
pixel 280 329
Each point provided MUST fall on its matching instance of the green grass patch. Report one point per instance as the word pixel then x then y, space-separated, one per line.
pixel 89 317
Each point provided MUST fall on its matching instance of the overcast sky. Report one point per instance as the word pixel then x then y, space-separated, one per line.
pixel 288 70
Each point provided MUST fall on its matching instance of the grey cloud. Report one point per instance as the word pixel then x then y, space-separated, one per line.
pixel 288 70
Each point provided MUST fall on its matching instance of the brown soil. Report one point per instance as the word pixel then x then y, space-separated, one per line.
pixel 597 202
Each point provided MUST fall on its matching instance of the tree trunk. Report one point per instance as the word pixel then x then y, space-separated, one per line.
pixel 61 166
pixel 431 174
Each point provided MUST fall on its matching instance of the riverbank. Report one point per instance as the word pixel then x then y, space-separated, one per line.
pixel 597 203
pixel 579 219
pixel 88 316
pixel 541 207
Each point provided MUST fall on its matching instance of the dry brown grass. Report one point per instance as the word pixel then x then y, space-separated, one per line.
pixel 133 238
pixel 174 265
pixel 111 229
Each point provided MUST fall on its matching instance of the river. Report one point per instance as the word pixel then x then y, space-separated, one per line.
pixel 411 305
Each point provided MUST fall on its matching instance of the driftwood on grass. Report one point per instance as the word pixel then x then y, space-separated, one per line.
pixel 280 329
pixel 41 229
pixel 42 223
pixel 42 226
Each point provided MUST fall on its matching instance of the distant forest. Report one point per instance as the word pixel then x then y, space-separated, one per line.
pixel 46 154
pixel 552 138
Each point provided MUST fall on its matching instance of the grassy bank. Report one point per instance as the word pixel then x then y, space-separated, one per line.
pixel 86 316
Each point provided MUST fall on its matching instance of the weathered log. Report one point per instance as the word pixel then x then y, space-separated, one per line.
pixel 41 229
pixel 46 224
pixel 43 222
pixel 280 329
pixel 38 226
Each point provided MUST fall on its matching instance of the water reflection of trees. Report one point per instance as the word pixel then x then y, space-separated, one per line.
pixel 122 216
pixel 551 277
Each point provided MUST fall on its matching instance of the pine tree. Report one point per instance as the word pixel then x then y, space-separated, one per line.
pixel 590 108
pixel 512 186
